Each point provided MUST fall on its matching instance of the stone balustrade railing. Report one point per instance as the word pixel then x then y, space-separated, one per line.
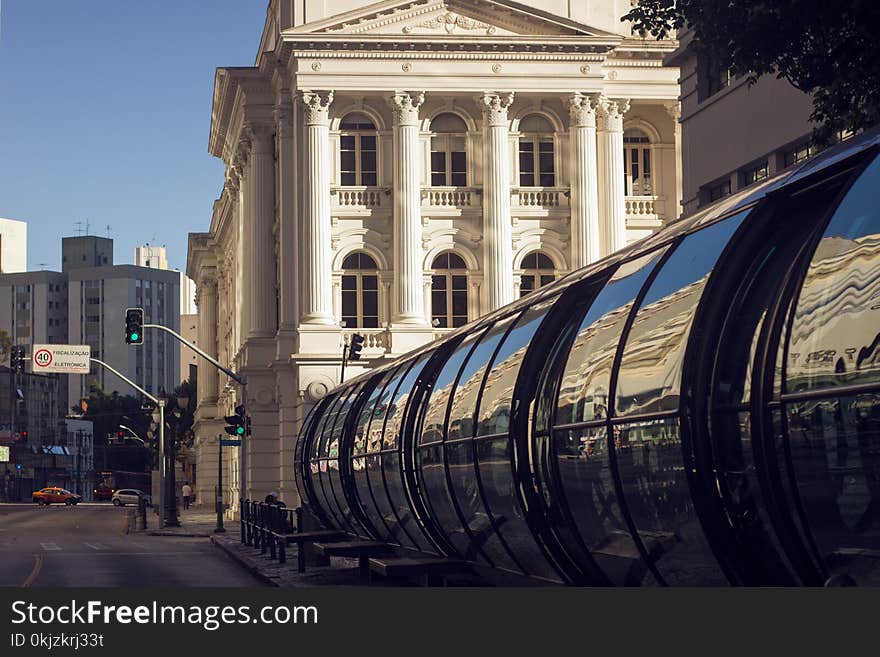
pixel 450 197
pixel 358 197
pixel 640 206
pixel 374 339
pixel 539 197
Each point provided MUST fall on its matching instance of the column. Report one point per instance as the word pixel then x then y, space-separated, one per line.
pixel 207 302
pixel 240 170
pixel 288 260
pixel 585 242
pixel 612 199
pixel 497 225
pixel 674 111
pixel 259 251
pixel 316 272
pixel 409 302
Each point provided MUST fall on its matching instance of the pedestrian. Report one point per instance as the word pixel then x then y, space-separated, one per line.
pixel 186 491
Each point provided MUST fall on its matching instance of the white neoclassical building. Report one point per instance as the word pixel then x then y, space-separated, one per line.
pixel 398 169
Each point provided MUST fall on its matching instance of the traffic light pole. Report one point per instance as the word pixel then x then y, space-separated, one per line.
pixel 161 404
pixel 344 357
pixel 242 381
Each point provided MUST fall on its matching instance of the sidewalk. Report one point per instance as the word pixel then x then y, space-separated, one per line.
pixel 340 572
pixel 193 523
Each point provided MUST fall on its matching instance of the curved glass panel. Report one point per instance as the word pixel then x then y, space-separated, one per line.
pixel 364 465
pixel 588 485
pixel 431 460
pixel 650 370
pixel 300 454
pixel 835 454
pixel 333 449
pixel 493 416
pixel 391 459
pixel 658 498
pixel 438 402
pixel 835 337
pixel 467 389
pixel 375 473
pixel 318 462
pixel 583 395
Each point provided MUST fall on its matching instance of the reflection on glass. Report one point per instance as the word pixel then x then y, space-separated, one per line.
pixel 588 484
pixel 460 455
pixel 461 419
pixel 657 496
pixel 494 414
pixel 584 392
pixel 398 403
pixel 435 417
pixel 835 454
pixel 835 337
pixel 650 370
pixel 366 414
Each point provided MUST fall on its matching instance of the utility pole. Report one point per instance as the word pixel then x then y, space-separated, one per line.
pixel 218 496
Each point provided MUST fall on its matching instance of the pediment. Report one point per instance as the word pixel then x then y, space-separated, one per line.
pixel 449 18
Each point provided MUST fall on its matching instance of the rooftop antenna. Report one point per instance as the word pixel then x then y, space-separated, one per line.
pixel 78 230
pixel 87 226
pixel 43 265
pixel 108 231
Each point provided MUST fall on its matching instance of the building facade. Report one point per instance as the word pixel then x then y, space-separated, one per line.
pixel 734 134
pixel 13 246
pixel 399 169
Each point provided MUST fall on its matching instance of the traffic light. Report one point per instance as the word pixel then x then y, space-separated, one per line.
pixel 355 346
pixel 237 425
pixel 134 326
pixel 24 435
pixel 16 359
pixel 120 434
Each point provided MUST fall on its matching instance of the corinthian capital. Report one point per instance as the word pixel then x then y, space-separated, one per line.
pixel 610 113
pixel 260 136
pixel 405 106
pixel 494 106
pixel 316 106
pixel 583 109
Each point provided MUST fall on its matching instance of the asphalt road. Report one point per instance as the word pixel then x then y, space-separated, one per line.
pixel 84 545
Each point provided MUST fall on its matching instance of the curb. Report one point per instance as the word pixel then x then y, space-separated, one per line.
pixel 183 534
pixel 253 570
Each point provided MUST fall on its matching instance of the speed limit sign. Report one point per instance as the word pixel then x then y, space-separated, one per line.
pixel 62 358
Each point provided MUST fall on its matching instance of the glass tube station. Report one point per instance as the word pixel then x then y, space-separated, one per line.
pixel 700 408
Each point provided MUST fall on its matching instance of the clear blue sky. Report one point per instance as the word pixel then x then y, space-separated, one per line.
pixel 105 108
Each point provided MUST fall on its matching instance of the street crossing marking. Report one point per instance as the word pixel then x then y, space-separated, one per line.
pixel 97 546
pixel 50 546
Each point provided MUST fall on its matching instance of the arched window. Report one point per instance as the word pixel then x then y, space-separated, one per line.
pixel 448 151
pixel 537 167
pixel 357 151
pixel 449 300
pixel 538 271
pixel 360 292
pixel 637 163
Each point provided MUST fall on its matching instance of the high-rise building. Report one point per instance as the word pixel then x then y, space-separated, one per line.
pixel 86 305
pixel 86 251
pixel 150 256
pixel 13 246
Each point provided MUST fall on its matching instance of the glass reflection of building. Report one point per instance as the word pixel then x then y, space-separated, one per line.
pixel 701 408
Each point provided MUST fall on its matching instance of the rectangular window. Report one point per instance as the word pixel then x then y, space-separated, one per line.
pixel 526 163
pixel 546 165
pixel 438 169
pixel 347 160
pixel 719 190
pixel 753 174
pixel 368 160
pixel 797 154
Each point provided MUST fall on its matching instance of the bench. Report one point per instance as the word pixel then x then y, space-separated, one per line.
pixel 362 550
pixel 427 569
pixel 302 539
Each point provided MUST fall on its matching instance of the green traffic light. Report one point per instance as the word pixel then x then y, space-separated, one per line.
pixel 134 336
pixel 239 431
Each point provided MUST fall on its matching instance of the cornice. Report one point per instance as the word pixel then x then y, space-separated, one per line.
pixel 447 56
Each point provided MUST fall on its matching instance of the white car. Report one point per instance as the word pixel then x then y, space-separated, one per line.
pixel 129 496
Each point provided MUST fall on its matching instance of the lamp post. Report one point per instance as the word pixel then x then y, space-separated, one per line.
pixel 159 419
pixel 171 519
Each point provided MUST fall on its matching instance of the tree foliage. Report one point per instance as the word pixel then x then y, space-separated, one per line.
pixel 5 344
pixel 829 49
